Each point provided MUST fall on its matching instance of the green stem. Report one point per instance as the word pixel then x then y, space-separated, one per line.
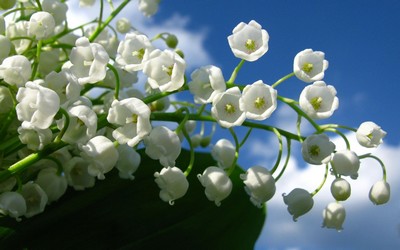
pixel 282 80
pixel 36 61
pixel 65 127
pixel 245 137
pixel 230 82
pixel 278 159
pixel 113 14
pixel 369 155
pixel 323 181
pixel 288 142
pixel 341 134
pixel 117 80
pixel 325 126
pixel 237 147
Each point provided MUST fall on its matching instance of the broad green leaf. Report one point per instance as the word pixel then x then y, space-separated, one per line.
pixel 124 214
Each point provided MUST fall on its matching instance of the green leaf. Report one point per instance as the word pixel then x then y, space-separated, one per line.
pixel 124 214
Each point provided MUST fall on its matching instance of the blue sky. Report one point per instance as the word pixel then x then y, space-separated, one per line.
pixel 361 41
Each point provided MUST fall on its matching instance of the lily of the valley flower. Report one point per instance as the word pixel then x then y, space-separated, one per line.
pixel 101 155
pixel 226 108
pixel 133 117
pixel 217 184
pixel 128 161
pixel 58 10
pixel 370 135
pixel 164 145
pixel 35 138
pixel 258 100
pixel 380 192
pixel 41 25
pixel 35 197
pixel 37 105
pixel 172 182
pixel 259 185
pixel 165 70
pixel 340 189
pixel 123 25
pixel 206 82
pixel 148 7
pixel 317 149
pixel 52 183
pixel 299 202
pixel 249 41
pixel 309 65
pixel 12 204
pixel 16 70
pixel 88 61
pixel 334 215
pixel 346 162
pixel 224 153
pixel 319 100
pixel 76 172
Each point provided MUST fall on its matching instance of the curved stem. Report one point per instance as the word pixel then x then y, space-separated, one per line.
pixel 282 80
pixel 341 134
pixel 278 159
pixel 232 79
pixel 323 181
pixel 117 80
pixel 288 142
pixel 65 127
pixel 237 147
pixel 377 159
pixel 245 137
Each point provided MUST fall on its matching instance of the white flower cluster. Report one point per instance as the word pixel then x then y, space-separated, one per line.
pixel 68 99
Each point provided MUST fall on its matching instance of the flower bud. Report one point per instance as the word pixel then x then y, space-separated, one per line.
pixel 128 161
pixel 173 184
pixel 224 153
pixel 7 4
pixel 346 163
pixel 217 184
pixel 171 41
pixel 340 189
pixel 260 185
pixel 41 25
pixel 334 215
pixel 53 185
pixel 123 25
pixel 299 202
pixel 380 193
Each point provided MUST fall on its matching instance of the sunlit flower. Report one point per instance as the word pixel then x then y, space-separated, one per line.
pixel 148 7
pixel 16 70
pixel 35 139
pixel 317 149
pixel 123 25
pixel 41 25
pixel 101 155
pixel 164 145
pixel 259 185
pixel 224 153
pixel 370 135
pixel 226 109
pixel 258 100
pixel 133 117
pixel 340 189
pixel 309 65
pixel 380 192
pixel 299 202
pixel 165 70
pixel 172 182
pixel 217 184
pixel 334 215
pixel 249 41
pixel 206 82
pixel 18 29
pixel 346 162
pixel 57 8
pixel 319 100
pixel 128 161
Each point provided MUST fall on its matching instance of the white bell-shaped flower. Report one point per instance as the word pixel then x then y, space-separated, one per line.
pixel 12 204
pixel 128 161
pixel 217 184
pixel 82 124
pixel 5 45
pixel 35 197
pixel 319 100
pixel 165 70
pixel 35 139
pixel 133 117
pixel 172 182
pixel 164 145
pixel 249 41
pixel 206 82
pixel 86 3
pixel 37 105
pixel 340 189
pixel 370 135
pixel 101 155
pixel 107 39
pixel 132 50
pixel 18 29
pixel 226 108
pixel 317 149
pixel 41 25
pixel 52 183
pixel 258 100
pixel 64 85
pixel 89 61
pixel 123 25
pixel 299 202
pixel 77 174
pixel 224 153
pixel 334 215
pixel 57 9
pixel 309 65
pixel 148 7
pixel 380 192
pixel 16 70
pixel 346 162
pixel 260 185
